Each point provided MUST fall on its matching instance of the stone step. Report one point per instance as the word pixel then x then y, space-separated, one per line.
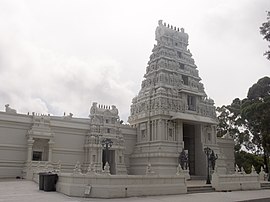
pixel 265 185
pixel 200 189
pixel 197 177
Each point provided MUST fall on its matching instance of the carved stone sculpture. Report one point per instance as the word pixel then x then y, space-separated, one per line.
pixel 10 110
pixel 91 169
pixel 149 170
pixel 213 157
pixel 77 169
pixel 262 175
pixel 106 170
pixel 183 160
pixel 236 169
pixel 253 171
pixel 179 170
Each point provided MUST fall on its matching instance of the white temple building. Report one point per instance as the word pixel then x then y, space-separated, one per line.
pixel 171 113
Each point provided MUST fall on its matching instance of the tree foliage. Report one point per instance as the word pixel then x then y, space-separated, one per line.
pixel 248 120
pixel 231 122
pixel 265 31
pixel 256 112
pixel 247 160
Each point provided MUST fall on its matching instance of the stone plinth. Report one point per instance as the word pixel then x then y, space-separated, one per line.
pixel 119 186
pixel 236 181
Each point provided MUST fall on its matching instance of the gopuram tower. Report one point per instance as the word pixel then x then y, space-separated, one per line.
pixel 172 112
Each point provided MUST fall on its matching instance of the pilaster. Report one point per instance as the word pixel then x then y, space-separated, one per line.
pixel 148 131
pixel 30 143
pixel 50 143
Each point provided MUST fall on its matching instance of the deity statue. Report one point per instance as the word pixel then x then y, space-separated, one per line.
pixel 183 160
pixel 253 171
pixel 213 157
pixel 106 169
pixel 77 169
pixel 91 169
pixel 93 108
pixel 179 170
pixel 149 170
pixel 10 110
pixel 236 169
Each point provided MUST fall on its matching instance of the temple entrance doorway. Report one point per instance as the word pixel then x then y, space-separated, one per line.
pixel 111 160
pixel 40 150
pixel 189 145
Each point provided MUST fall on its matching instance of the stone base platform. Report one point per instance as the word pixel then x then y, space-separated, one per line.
pixel 235 182
pixel 119 186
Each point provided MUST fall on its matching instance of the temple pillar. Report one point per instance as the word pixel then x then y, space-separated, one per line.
pixel 159 132
pixel 179 131
pixel 214 131
pixel 99 157
pixel 165 135
pixel 154 130
pixel 50 143
pixel 139 136
pixel 30 143
pixel 148 131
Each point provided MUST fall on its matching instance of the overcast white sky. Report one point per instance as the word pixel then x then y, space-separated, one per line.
pixel 59 56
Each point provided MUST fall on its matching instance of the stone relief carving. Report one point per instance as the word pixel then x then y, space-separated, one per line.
pixel 106 170
pixel 77 169
pixel 149 170
pixel 91 169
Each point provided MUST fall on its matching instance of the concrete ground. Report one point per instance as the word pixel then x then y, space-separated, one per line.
pixel 22 191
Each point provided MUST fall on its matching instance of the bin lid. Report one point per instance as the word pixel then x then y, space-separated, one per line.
pixel 42 173
pixel 50 174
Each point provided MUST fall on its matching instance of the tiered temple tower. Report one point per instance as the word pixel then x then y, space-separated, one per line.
pixel 172 111
pixel 105 124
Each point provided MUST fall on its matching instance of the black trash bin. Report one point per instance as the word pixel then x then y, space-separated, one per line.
pixel 41 180
pixel 50 180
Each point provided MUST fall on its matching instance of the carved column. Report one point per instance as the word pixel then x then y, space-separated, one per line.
pixel 179 131
pixel 154 130
pixel 86 159
pixel 165 135
pixel 139 136
pixel 51 143
pixel 214 131
pixel 160 129
pixel 203 136
pixel 99 157
pixel 148 130
pixel 30 143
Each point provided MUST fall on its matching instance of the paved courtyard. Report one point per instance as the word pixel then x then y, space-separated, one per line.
pixel 22 191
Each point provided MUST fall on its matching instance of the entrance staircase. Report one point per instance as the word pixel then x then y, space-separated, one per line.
pixel 197 184
pixel 200 189
pixel 197 177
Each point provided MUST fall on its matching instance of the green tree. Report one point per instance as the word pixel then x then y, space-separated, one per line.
pixel 230 121
pixel 265 31
pixel 248 121
pixel 255 110
pixel 246 160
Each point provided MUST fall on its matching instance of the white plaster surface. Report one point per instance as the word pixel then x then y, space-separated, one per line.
pixel 22 191
pixel 118 186
pixel 235 182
